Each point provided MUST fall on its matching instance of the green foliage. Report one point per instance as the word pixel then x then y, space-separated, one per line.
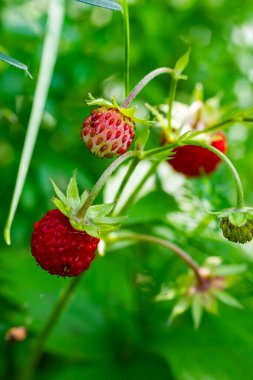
pixel 114 328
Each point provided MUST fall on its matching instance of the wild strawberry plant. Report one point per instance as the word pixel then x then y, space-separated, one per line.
pixel 190 139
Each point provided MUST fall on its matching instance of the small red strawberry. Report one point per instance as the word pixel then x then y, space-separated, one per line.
pixel 108 132
pixel 193 161
pixel 64 240
pixel 60 249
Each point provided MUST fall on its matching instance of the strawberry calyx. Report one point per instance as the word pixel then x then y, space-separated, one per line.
pixel 237 224
pixel 95 221
pixel 127 112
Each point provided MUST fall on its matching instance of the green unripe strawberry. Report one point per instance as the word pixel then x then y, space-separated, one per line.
pixel 237 234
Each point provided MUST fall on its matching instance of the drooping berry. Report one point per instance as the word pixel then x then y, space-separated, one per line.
pixel 237 234
pixel 108 132
pixel 60 249
pixel 193 161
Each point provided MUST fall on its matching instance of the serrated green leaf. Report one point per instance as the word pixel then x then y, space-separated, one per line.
pixel 11 61
pixel 59 193
pixel 99 211
pixel 183 62
pixel 197 310
pixel 108 4
pixel 73 193
pixel 227 299
pixel 60 205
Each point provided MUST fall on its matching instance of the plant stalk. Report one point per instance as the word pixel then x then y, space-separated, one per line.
pixel 102 180
pixel 150 76
pixel 171 246
pixel 172 94
pixel 138 188
pixel 125 180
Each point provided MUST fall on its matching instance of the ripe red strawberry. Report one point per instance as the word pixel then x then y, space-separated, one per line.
pixel 60 249
pixel 193 161
pixel 107 132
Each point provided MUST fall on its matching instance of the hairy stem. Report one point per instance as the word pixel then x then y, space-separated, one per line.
pixel 137 190
pixel 102 180
pixel 171 246
pixel 232 169
pixel 29 371
pixel 125 180
pixel 223 157
pixel 223 123
pixel 125 15
pixel 153 74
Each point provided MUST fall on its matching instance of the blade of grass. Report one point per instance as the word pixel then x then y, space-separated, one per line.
pixel 12 61
pixel 49 55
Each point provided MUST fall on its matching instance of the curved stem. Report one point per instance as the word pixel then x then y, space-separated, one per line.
pixel 172 247
pixel 144 82
pixel 37 349
pixel 126 178
pixel 125 15
pixel 218 126
pixel 100 183
pixel 232 169
pixel 136 191
pixel 223 157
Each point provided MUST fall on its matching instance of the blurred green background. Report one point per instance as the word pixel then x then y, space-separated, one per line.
pixel 113 328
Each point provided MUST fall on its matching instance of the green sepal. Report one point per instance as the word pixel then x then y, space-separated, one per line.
pixel 59 193
pixel 227 299
pixel 127 112
pixel 197 310
pixel 161 156
pixel 98 211
pixel 73 198
pixel 96 219
pixel 238 217
pixel 58 203
pixel 162 121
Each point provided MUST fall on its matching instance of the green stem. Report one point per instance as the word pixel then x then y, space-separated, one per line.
pixel 218 126
pixel 155 240
pixel 38 346
pixel 223 157
pixel 49 54
pixel 137 190
pixel 102 180
pixel 150 76
pixel 172 94
pixel 125 14
pixel 232 169
pixel 125 180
